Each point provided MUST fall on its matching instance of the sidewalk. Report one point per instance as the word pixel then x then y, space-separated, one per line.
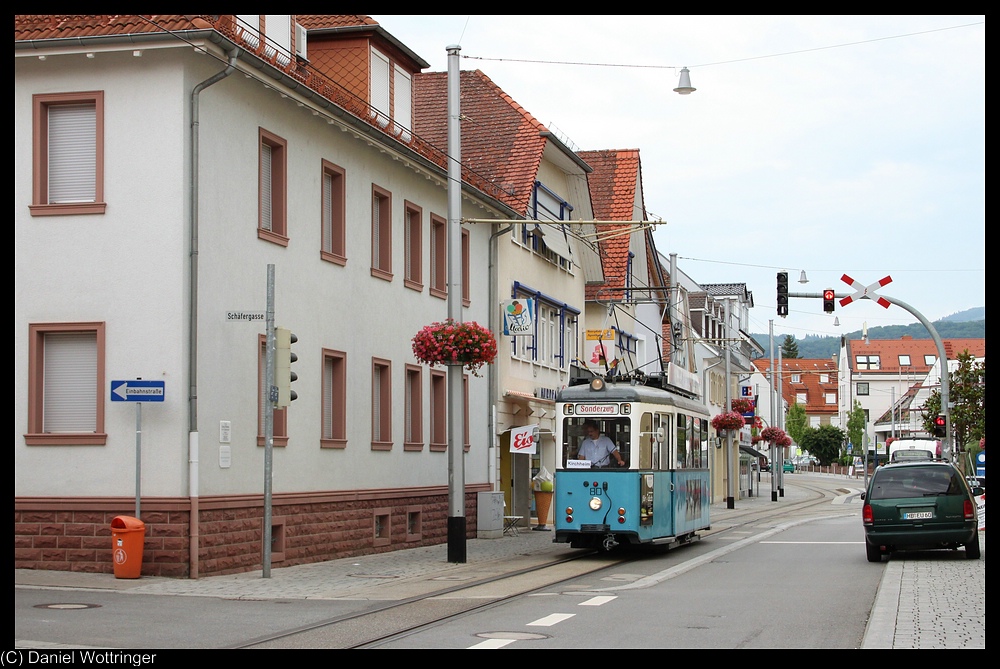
pixel 920 603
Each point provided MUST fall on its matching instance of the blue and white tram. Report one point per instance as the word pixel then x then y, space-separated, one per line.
pixel 660 495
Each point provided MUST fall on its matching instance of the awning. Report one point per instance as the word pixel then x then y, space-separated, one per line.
pixel 752 451
pixel 555 238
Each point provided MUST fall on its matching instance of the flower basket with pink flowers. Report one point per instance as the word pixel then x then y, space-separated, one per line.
pixel 773 435
pixel 742 405
pixel 452 343
pixel 731 420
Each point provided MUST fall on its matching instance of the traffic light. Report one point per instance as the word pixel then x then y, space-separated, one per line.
pixel 828 297
pixel 940 425
pixel 283 359
pixel 782 293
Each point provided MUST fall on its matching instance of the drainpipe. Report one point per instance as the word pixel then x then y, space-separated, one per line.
pixel 193 533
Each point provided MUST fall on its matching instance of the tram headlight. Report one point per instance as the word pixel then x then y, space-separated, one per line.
pixel 595 503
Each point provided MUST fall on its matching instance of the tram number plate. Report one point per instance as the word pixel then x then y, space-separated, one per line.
pixel 917 515
pixel 594 528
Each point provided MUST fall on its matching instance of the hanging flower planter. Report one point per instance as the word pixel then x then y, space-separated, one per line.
pixel 742 405
pixel 450 343
pixel 773 434
pixel 730 420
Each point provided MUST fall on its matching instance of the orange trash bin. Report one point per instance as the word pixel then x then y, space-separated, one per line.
pixel 128 535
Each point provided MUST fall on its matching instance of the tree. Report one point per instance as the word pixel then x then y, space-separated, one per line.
pixel 789 349
pixel 967 395
pixel 856 423
pixel 795 422
pixel 824 442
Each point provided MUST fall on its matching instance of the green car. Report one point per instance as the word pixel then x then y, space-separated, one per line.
pixel 788 466
pixel 919 505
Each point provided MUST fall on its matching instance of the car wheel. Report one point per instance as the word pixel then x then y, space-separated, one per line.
pixel 972 548
pixel 875 554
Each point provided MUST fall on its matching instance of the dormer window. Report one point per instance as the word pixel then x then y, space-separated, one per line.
pixel 390 94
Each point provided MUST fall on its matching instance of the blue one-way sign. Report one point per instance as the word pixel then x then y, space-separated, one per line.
pixel 138 391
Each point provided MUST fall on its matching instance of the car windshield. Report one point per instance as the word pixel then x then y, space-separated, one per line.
pixel 890 483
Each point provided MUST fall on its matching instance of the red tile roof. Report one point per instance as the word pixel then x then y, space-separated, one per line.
pixel 319 21
pixel 61 26
pixel 810 371
pixel 889 350
pixel 613 185
pixel 502 142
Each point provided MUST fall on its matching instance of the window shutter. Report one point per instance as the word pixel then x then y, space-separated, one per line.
pixel 70 392
pixel 379 92
pixel 328 399
pixel 72 153
pixel 327 213
pixel 265 187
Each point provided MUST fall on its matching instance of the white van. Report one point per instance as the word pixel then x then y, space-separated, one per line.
pixel 914 448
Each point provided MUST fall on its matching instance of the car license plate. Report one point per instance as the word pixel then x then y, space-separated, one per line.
pixel 917 515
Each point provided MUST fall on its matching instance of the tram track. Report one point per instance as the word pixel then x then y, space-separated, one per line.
pixel 389 619
pixel 393 619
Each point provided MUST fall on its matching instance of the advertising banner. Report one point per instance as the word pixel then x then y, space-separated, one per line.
pixel 524 439
pixel 519 317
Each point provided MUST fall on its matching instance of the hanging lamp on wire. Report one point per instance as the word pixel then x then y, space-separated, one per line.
pixel 685 87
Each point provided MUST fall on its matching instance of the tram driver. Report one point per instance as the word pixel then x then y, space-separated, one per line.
pixel 598 448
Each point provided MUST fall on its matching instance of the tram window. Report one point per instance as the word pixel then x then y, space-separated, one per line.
pixel 682 440
pixel 661 456
pixel 647 441
pixel 704 442
pixel 618 430
pixel 694 448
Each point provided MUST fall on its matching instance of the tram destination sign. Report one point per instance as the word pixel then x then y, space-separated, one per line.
pixel 596 409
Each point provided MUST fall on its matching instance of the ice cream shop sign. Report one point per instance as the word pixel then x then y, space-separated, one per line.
pixel 519 317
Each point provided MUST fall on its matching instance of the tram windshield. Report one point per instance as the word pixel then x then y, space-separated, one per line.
pixel 578 446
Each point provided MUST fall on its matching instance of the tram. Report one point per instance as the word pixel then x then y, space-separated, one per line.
pixel 659 494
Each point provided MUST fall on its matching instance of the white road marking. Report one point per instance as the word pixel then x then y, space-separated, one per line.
pixel 491 643
pixel 597 601
pixel 549 621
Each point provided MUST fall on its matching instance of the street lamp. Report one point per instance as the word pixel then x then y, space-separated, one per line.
pixel 684 87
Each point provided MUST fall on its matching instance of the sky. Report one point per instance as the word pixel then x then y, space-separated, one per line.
pixel 831 145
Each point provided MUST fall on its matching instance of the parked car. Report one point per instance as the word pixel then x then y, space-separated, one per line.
pixel 919 505
pixel 788 466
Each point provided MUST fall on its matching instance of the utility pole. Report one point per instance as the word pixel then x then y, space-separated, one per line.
pixel 774 492
pixel 730 464
pixel 456 414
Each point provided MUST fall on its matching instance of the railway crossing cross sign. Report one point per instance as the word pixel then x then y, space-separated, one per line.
pixel 866 291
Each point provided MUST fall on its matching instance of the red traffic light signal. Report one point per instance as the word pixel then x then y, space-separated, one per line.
pixel 828 297
pixel 940 425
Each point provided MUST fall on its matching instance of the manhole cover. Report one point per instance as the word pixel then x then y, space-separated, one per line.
pixel 67 606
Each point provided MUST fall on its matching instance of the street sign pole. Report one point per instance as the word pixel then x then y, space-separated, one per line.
pixel 138 391
pixel 269 400
pixel 138 457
